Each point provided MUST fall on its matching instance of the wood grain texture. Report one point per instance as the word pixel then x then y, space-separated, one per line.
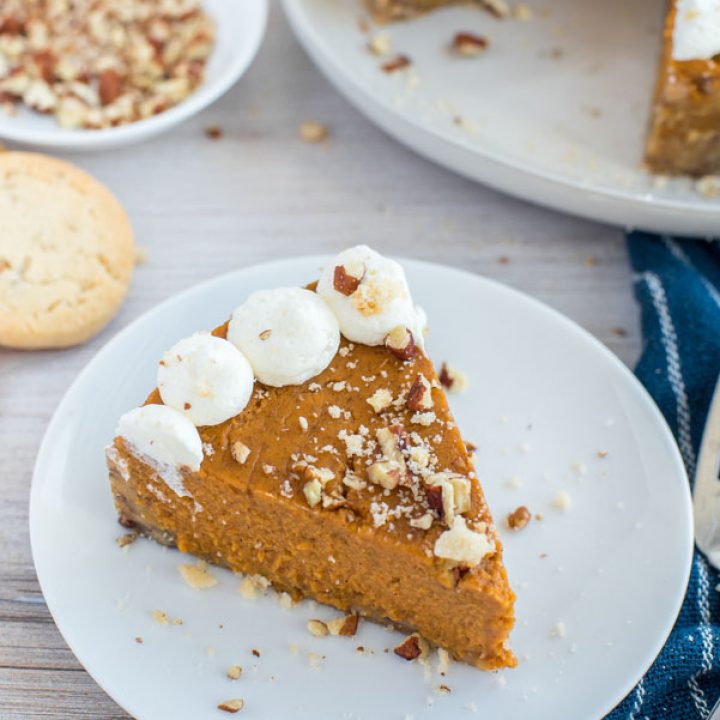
pixel 201 207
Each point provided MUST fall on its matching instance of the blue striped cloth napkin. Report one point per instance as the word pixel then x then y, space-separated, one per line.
pixel 677 284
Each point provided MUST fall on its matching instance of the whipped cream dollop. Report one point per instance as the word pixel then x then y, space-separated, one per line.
pixel 289 335
pixel 162 434
pixel 369 295
pixel 206 378
pixel 696 35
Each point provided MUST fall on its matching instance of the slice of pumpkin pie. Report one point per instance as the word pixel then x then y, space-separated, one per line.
pixel 308 440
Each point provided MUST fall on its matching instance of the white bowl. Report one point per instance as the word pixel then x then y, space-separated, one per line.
pixel 239 27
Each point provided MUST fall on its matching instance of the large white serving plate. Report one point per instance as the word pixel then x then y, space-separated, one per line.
pixel 564 131
pixel 239 28
pixel 544 399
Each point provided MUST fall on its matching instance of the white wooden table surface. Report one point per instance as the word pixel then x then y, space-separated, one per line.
pixel 201 207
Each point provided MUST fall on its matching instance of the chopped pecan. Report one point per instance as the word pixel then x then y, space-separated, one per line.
pixel 345 626
pixel 10 25
pixel 317 628
pixel 108 86
pixel 126 522
pixel 45 62
pixel 498 8
pixel 313 492
pixel 435 498
pixel 412 647
pixel 401 436
pixel 379 44
pixel 313 132
pixel 344 282
pixel 232 706
pixel 469 45
pixel 399 62
pixel 127 539
pixel 240 452
pixel 409 649
pixel 459 572
pixel 452 379
pixel 392 441
pixel 234 672
pixel 420 394
pixel 424 522
pixel 385 473
pixel 400 342
pixel 349 626
pixel 444 376
pixel 519 518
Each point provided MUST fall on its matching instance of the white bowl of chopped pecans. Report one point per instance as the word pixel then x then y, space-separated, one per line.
pixel 92 74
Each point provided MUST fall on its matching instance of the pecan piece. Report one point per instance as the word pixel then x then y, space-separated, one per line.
pixel 409 649
pixel 384 473
pixel 397 63
pixel 45 62
pixel 420 395
pixel 127 539
pixel 412 647
pixel 313 132
pixel 126 522
pixel 10 25
pixel 232 706
pixel 349 626
pixel 435 498
pixel 317 628
pixel 393 441
pixel 519 518
pixel 459 572
pixel 344 282
pixel 344 626
pixel 451 379
pixel 498 8
pixel 108 86
pixel 469 45
pixel 400 342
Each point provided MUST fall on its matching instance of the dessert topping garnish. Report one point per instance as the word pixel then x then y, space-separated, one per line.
pixel 240 452
pixel 317 628
pixel 232 706
pixel 451 379
pixel 498 8
pixel 313 492
pixel 346 280
pixel 400 341
pixel 519 518
pixel 468 44
pixel 420 394
pixel 462 544
pixel 400 62
pixel 380 400
pixel 345 626
pixel 414 646
pixel 385 473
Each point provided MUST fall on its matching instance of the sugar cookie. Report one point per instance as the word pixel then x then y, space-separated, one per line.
pixel 66 253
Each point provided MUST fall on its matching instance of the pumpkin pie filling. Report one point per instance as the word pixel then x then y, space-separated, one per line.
pixel 354 488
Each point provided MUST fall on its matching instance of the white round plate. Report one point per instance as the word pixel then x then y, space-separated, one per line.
pixel 544 399
pixel 239 28
pixel 554 112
